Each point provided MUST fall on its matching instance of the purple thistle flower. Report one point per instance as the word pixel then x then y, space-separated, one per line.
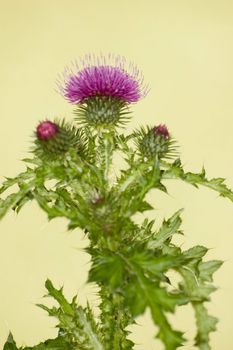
pixel 46 130
pixel 161 130
pixel 103 77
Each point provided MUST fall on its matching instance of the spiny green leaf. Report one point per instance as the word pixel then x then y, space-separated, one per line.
pixel 131 177
pixel 59 343
pixel 20 204
pixel 175 171
pixel 195 253
pixel 11 201
pixel 108 268
pixel 59 297
pixel 145 206
pixel 19 179
pixel 166 300
pixel 205 325
pixel 193 257
pixel 207 268
pixel 198 291
pixel 56 203
pixel 167 230
pixel 89 328
pixel 193 287
pixel 171 338
pixel 144 232
pixel 34 161
pixel 51 311
pixel 76 324
pixel 10 343
pixel 156 265
pixel 141 293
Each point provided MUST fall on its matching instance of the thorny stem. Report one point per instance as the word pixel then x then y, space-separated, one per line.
pixel 114 319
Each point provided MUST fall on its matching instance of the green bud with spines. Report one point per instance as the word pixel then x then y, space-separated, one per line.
pixel 155 142
pixel 55 139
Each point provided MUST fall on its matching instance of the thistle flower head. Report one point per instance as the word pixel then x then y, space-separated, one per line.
pixel 102 76
pixel 102 88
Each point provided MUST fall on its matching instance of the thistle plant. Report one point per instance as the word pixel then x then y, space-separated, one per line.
pixel 130 262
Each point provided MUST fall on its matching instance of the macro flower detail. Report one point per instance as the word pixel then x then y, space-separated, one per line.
pixel 102 81
pixel 155 142
pixel 54 139
pixel 103 76
pixel 103 88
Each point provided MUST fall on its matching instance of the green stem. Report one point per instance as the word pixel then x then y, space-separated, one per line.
pixel 87 329
pixel 114 319
pixel 105 148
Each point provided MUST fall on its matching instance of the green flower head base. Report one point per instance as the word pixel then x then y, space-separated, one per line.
pixel 155 142
pixel 54 139
pixel 103 88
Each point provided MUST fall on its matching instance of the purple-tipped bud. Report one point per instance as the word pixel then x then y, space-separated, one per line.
pixel 55 139
pixel 46 130
pixel 156 142
pixel 161 130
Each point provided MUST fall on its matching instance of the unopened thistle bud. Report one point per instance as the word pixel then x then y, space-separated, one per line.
pixel 46 130
pixel 155 142
pixel 102 89
pixel 162 130
pixel 54 139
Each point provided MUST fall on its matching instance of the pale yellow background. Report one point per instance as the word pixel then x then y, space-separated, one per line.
pixel 185 50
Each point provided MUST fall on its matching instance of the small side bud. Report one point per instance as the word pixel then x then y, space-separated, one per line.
pixel 155 142
pixel 54 139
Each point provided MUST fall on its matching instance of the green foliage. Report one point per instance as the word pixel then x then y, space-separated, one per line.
pixel 197 278
pixel 167 230
pixel 176 171
pixel 58 343
pixel 130 262
pixel 76 325
pixel 138 274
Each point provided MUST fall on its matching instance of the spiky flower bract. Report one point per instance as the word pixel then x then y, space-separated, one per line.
pixel 54 139
pixel 102 111
pixel 155 142
pixel 103 88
